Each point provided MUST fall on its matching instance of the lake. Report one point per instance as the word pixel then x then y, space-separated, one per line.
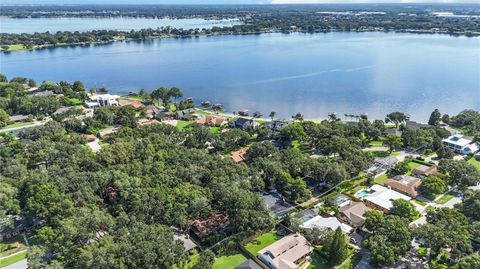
pixel 41 25
pixel 314 74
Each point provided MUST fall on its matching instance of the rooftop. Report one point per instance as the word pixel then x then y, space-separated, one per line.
pixel 458 140
pixel 383 196
pixel 330 222
pixel 286 251
pixel 214 222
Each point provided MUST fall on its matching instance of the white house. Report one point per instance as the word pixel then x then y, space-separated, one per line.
pixel 381 198
pixel 461 144
pixel 330 223
pixel 97 100
pixel 286 253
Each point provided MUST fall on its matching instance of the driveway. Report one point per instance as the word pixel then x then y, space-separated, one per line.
pixel 365 261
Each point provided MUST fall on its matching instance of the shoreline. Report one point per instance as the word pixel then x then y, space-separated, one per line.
pixel 270 31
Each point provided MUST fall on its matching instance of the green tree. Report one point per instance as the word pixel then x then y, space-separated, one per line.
pixel 293 132
pixel 272 115
pixel 396 117
pixel 470 205
pixel 175 93
pixel 435 117
pixel 335 247
pixel 4 118
pixel 404 209
pixel 393 142
pixel 45 201
pixel 3 78
pixel 78 86
pixel 162 94
pixel 468 262
pixel 432 186
pixel 400 168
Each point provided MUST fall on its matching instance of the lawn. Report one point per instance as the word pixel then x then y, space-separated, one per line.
pixel 419 202
pixel 15 47
pixel 228 262
pixel 11 245
pixel 13 259
pixel 447 197
pixel 413 165
pixel 214 130
pixel 379 154
pixel 181 124
pixel 422 251
pixel 261 242
pixel 356 258
pixel 318 262
pixel 475 163
pixel 381 179
pixel 74 101
pixel 375 143
pixel 17 124
pixel 192 261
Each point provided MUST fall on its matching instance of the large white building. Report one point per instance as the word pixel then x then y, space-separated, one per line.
pixel 97 100
pixel 381 198
pixel 461 144
pixel 331 223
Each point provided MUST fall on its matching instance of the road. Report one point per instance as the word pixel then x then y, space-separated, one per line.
pixel 18 265
pixel 17 130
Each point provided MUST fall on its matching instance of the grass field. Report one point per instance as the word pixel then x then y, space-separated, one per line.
pixel 17 124
pixel 381 179
pixel 447 197
pixel 181 124
pixel 214 130
pixel 475 163
pixel 74 101
pixel 261 242
pixel 229 262
pixel 13 259
pixel 375 143
pixel 192 261
pixel 15 47
pixel 413 165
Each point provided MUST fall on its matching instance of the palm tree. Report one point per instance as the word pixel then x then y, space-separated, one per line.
pixel 298 117
pixel 272 115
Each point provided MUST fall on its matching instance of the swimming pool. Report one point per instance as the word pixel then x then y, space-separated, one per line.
pixel 305 218
pixel 362 193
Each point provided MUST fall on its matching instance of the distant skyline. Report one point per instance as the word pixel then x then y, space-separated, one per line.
pixel 44 2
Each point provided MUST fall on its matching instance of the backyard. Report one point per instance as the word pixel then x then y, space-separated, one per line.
pixel 261 242
pixel 445 198
pixel 13 259
pixel 474 162
pixel 229 262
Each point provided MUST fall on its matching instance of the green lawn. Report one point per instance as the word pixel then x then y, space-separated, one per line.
pixel 475 163
pixel 447 197
pixel 318 262
pixel 422 252
pixel 18 124
pixel 419 202
pixel 356 258
pixel 261 242
pixel 74 101
pixel 413 165
pixel 15 47
pixel 214 130
pixel 13 259
pixel 11 246
pixel 381 179
pixel 375 143
pixel 181 124
pixel 192 261
pixel 228 262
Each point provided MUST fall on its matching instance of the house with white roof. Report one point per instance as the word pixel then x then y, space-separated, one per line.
pixel 381 198
pixel 461 144
pixel 326 223
pixel 286 253
pixel 97 100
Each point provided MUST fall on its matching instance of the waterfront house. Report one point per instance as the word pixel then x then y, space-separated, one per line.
pixel 286 253
pixel 381 198
pixel 213 223
pixel 244 123
pixel 212 120
pixel 461 144
pixel 276 126
pixel 331 223
pixel 97 100
pixel 425 171
pixel 353 214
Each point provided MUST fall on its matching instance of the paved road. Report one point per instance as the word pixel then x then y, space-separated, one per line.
pixel 18 265
pixel 17 130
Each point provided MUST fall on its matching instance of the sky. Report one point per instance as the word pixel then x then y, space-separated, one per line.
pixel 19 2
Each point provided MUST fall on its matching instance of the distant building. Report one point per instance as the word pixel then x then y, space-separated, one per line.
pixel 407 185
pixel 97 100
pixel 331 223
pixel 286 252
pixel 239 155
pixel 461 144
pixel 353 214
pixel 276 126
pixel 213 223
pixel 425 171
pixel 212 120
pixel 244 123
pixel 381 198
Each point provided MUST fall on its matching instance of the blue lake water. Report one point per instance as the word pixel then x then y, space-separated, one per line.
pixel 314 74
pixel 40 25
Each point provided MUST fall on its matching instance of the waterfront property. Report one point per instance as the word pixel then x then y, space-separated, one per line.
pixel 405 184
pixel 97 100
pixel 244 123
pixel 381 198
pixel 276 126
pixel 461 144
pixel 212 120
pixel 286 253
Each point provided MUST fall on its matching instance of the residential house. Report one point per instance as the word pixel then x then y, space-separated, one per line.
pixel 276 126
pixel 145 122
pixel 239 155
pixel 381 198
pixel 276 204
pixel 213 223
pixel 244 123
pixel 89 137
pixel 186 114
pixel 392 131
pixel 331 223
pixel 18 118
pixel 407 185
pixel 188 244
pixel 461 144
pixel 425 170
pixel 97 100
pixel 382 164
pixel 353 214
pixel 152 111
pixel 107 132
pixel 212 120
pixel 286 253
pixel 134 103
